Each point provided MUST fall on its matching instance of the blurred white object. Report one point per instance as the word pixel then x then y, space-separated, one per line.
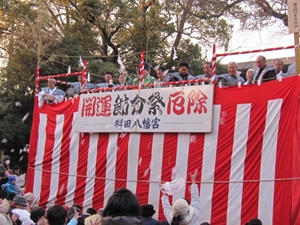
pixel 4 140
pixel 18 104
pixel 20 180
pixel 25 117
pixel 174 186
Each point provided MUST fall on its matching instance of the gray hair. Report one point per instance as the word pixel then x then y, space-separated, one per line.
pixel 249 71
pixel 232 63
pixel 52 80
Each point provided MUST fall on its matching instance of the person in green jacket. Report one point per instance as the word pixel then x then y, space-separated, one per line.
pixel 147 78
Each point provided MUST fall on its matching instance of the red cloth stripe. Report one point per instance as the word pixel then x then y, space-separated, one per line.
pixel 144 170
pixel 121 160
pixel 223 163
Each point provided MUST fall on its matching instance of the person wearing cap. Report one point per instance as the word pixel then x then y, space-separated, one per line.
pixel 50 94
pixel 147 78
pixel 10 187
pixel 5 169
pixel 20 215
pixel 181 213
pixel 30 199
pixel 147 212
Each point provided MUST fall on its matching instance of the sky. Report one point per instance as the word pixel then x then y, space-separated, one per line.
pixel 273 36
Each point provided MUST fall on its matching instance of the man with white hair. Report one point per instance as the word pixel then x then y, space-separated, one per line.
pixel 263 72
pixel 50 94
pixel 233 77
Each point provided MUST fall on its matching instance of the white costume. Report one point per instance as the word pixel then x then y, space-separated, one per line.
pixel 57 93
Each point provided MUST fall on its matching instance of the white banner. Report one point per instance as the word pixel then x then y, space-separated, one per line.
pixel 177 109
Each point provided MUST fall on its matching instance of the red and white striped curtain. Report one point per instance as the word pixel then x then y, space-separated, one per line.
pixel 243 164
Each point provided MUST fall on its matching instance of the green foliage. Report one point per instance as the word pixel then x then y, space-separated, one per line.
pixel 53 36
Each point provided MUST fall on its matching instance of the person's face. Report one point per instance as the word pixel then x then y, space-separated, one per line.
pixel 278 66
pixel 260 62
pixel 160 74
pixel 146 73
pixel 232 69
pixel 79 79
pixel 249 75
pixel 183 70
pixel 121 79
pixel 107 78
pixel 207 69
pixel 17 172
pixel 51 84
pixel 29 203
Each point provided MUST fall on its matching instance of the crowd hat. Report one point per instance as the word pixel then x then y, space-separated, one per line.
pixel 183 209
pixel 11 178
pixel 147 210
pixel 29 196
pixel 20 200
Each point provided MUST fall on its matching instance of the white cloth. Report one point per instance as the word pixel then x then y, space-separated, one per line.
pixel 47 91
pixel 280 75
pixel 195 203
pixel 24 216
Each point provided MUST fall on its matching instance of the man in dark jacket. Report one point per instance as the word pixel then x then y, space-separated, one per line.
pixel 147 211
pixel 5 170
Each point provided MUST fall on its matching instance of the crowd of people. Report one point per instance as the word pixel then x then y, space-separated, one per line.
pixel 261 73
pixel 122 208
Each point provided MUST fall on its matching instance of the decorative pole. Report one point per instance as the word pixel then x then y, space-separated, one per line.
pixel 37 81
pixel 142 67
pixel 214 64
pixel 84 74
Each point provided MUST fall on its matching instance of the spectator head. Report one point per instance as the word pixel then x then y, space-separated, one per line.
pixel 147 210
pixel 249 75
pixel 20 202
pixel 232 68
pixel 255 221
pixel 147 69
pixel 51 83
pixel 6 159
pixel 207 69
pixel 181 211
pixel 5 220
pixel 160 72
pixel 10 197
pixel 278 65
pixel 261 61
pixel 56 215
pixel 17 169
pixel 184 68
pixel 108 77
pixel 121 78
pixel 79 78
pixel 91 211
pixel 37 213
pixel 30 198
pixel 204 223
pixel 122 203
pixel 12 179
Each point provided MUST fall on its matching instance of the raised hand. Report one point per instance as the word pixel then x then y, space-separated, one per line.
pixel 194 176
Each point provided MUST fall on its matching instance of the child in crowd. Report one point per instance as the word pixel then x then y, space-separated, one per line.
pixel 10 187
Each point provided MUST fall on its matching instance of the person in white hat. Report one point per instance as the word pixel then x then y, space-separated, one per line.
pixel 181 213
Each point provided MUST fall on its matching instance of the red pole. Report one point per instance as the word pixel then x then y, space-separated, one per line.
pixel 37 82
pixel 142 67
pixel 83 82
pixel 214 63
